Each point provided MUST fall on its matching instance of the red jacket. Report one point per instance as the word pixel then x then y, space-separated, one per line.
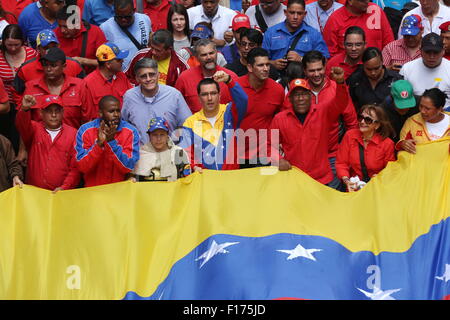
pixel 73 94
pixel 50 164
pixel 176 66
pixel 158 15
pixel 377 154
pixel 97 87
pixel 306 145
pixel 110 163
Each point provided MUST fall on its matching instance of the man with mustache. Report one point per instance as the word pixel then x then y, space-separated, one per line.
pixel 206 53
pixel 431 70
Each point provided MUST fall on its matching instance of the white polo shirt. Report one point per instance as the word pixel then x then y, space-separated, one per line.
pixel 422 77
pixel 221 22
pixel 442 16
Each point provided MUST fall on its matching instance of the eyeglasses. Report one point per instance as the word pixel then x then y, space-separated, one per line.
pixel 245 44
pixel 356 45
pixel 267 4
pixel 367 120
pixel 127 17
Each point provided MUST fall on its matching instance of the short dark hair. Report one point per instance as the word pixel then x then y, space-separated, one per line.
pixel 291 2
pixel 162 36
pixel 256 52
pixel 313 56
pixel 437 96
pixel 205 82
pixel 12 31
pixel 253 35
pixel 106 99
pixel 370 53
pixel 120 4
pixel 355 30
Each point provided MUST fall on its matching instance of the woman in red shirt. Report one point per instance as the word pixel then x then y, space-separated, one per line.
pixel 372 139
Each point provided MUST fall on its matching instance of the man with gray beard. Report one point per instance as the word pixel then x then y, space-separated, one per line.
pixel 206 54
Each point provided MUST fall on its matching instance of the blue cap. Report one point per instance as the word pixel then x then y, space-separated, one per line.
pixel 411 25
pixel 158 123
pixel 45 37
pixel 201 31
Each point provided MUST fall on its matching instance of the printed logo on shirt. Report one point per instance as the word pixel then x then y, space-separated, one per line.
pixel 438 79
pixel 72 94
pixel 419 133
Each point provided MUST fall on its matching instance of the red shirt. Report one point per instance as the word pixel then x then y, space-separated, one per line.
pixel 51 164
pixel 7 73
pixel 339 61
pixel 396 53
pixel 72 46
pixel 306 145
pixel 261 108
pixel 3 94
pixel 187 85
pixel 158 15
pixel 73 94
pixel 374 23
pixel 97 87
pixel 15 7
pixel 377 154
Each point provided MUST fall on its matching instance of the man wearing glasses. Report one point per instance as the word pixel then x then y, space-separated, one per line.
pixel 271 12
pixel 127 29
pixel 350 59
pixel 150 100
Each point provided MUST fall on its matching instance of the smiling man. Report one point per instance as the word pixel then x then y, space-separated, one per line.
pixel 151 99
pixel 292 38
pixel 431 70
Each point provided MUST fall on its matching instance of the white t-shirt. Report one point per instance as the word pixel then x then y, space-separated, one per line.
pixel 270 20
pixel 422 77
pixel 437 130
pixel 53 133
pixel 212 121
pixel 221 22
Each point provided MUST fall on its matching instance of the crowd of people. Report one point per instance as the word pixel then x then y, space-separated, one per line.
pixel 93 92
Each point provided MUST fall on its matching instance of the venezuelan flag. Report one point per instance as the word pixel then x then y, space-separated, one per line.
pixel 234 235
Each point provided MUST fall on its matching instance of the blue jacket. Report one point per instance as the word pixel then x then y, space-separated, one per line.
pixel 277 40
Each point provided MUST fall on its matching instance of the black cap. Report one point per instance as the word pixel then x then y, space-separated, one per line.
pixel 432 42
pixel 409 6
pixel 54 54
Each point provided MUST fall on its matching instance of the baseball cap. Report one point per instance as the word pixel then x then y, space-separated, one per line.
pixel 409 6
pixel 157 123
pixel 445 27
pixel 49 100
pixel 432 42
pixel 298 83
pixel 201 31
pixel 411 25
pixel 402 93
pixel 110 51
pixel 54 54
pixel 240 21
pixel 45 37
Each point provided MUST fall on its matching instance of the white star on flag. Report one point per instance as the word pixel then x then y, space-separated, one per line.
pixel 446 276
pixel 379 294
pixel 213 250
pixel 299 251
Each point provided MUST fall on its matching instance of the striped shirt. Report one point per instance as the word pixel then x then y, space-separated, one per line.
pixel 396 53
pixel 8 73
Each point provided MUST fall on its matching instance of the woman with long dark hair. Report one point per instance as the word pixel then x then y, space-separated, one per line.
pixel 178 25
pixel 364 152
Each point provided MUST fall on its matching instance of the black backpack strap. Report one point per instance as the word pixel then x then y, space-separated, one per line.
pixel 363 164
pixel 138 45
pixel 295 41
pixel 260 19
pixel 84 39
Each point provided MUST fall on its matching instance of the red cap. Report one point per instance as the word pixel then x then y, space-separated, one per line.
pixel 49 100
pixel 240 21
pixel 298 83
pixel 445 27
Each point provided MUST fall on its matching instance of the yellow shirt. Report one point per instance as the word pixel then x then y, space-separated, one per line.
pixel 163 68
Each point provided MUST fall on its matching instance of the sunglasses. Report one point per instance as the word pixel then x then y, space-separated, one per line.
pixel 367 120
